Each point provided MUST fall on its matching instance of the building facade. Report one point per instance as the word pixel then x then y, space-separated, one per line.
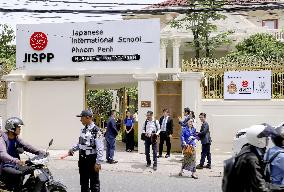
pixel 48 95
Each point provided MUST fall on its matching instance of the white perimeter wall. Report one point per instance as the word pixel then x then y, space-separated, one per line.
pixel 226 117
pixel 49 111
pixel 2 112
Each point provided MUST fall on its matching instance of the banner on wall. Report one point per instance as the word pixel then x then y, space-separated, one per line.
pixel 247 85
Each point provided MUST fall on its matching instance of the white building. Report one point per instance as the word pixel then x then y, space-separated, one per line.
pixel 48 94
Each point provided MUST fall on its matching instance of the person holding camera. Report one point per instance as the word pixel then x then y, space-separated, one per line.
pixel 150 132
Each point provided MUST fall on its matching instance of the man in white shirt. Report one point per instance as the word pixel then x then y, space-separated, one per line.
pixel 151 128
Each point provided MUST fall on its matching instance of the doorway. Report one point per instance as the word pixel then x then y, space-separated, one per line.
pixel 169 95
pixel 101 100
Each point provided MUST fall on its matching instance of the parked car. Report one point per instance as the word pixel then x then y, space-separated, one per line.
pixel 240 139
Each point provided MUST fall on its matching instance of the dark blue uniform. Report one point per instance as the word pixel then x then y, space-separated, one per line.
pixel 110 136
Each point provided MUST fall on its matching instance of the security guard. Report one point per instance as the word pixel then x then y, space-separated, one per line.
pixel 90 149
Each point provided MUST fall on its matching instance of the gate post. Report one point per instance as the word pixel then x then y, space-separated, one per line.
pixel 15 92
pixel 146 92
pixel 191 91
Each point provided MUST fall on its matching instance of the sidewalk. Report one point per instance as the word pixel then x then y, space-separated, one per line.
pixel 136 163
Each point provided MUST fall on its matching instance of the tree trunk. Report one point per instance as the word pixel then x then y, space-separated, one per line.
pixel 196 43
pixel 207 50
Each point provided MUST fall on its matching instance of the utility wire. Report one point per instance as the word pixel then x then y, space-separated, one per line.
pixel 86 2
pixel 149 11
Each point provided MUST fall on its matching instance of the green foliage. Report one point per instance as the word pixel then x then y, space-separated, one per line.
pixel 7 50
pixel 216 41
pixel 133 96
pixel 260 45
pixel 100 101
pixel 132 92
pixel 201 26
pixel 7 65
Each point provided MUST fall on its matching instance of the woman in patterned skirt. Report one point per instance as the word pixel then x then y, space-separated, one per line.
pixel 188 140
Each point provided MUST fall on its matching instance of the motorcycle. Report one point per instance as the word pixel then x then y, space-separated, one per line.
pixel 37 176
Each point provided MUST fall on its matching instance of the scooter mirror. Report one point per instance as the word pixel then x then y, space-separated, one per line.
pixel 50 143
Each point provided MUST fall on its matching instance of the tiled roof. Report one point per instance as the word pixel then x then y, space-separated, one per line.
pixel 169 3
pixel 176 3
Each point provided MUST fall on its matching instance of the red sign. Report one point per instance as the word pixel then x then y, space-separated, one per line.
pixel 38 41
pixel 245 84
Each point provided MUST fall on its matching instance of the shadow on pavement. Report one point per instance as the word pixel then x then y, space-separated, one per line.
pixel 139 166
pixel 181 177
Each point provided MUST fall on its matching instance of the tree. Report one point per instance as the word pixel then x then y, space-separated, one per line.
pixel 261 45
pixel 100 101
pixel 133 98
pixel 7 50
pixel 201 26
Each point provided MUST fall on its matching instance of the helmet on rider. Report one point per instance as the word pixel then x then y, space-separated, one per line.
pixel 278 138
pixel 257 135
pixel 12 123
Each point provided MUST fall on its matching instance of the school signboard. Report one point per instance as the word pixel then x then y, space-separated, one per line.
pixel 247 85
pixel 126 44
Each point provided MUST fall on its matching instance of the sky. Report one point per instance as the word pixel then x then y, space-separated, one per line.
pixel 34 18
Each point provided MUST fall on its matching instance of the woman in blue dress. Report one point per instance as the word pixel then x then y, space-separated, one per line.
pixel 188 138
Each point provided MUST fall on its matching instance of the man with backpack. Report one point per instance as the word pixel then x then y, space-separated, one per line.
pixel 151 130
pixel 274 157
pixel 245 171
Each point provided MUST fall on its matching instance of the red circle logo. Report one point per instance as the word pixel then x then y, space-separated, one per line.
pixel 38 41
pixel 245 83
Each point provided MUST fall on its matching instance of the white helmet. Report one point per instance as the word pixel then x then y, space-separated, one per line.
pixel 256 137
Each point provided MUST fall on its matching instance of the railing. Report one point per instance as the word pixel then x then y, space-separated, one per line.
pixel 213 81
pixel 278 34
pixel 3 90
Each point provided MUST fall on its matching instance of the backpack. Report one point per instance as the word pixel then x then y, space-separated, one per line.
pixel 229 174
pixel 267 169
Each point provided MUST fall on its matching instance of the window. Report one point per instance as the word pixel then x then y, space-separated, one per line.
pixel 270 23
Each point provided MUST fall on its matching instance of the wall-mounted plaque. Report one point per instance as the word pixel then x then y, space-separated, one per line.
pixel 145 103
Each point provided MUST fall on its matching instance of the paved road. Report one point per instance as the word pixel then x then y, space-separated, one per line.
pixel 130 174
